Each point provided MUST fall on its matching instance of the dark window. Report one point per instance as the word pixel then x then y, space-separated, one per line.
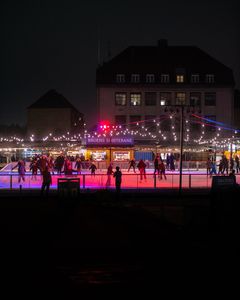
pixel 121 120
pixel 150 123
pixel 210 78
pixel 134 121
pixel 120 78
pixel 195 99
pixel 165 123
pixel 150 98
pixel 210 99
pixel 194 124
pixel 210 127
pixel 120 99
pixel 195 78
pixel 150 78
pixel 135 78
pixel 164 78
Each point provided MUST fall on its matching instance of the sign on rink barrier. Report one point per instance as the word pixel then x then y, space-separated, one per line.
pixel 223 182
pixel 69 187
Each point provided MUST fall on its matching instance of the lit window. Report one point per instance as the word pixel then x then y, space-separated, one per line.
pixel 135 99
pixel 162 102
pixel 165 98
pixel 180 98
pixel 120 78
pixel 135 78
pixel 180 78
pixel 150 78
pixel 210 78
pixel 195 78
pixel 164 78
pixel 120 99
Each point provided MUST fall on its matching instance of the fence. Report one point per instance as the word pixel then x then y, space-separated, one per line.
pixel 129 181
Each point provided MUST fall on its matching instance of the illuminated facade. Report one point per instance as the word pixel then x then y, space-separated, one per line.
pixel 140 82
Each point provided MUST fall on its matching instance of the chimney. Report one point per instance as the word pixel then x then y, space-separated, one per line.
pixel 163 43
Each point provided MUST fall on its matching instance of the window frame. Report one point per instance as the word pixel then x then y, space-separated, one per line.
pixel 120 93
pixel 119 76
pixel 131 94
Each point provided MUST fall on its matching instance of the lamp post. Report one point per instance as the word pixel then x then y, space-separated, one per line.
pixel 181 108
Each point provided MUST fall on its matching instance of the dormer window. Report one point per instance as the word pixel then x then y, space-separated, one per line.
pixel 195 78
pixel 120 78
pixel 210 78
pixel 179 78
pixel 164 78
pixel 135 78
pixel 150 78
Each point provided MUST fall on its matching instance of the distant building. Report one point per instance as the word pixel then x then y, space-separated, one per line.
pixel 53 113
pixel 140 82
pixel 237 109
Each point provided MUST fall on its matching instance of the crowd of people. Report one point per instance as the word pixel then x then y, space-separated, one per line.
pixel 68 165
pixel 224 167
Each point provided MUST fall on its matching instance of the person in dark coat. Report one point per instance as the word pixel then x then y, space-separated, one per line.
pixel 237 163
pixel 156 165
pixel 34 169
pixel 142 169
pixel 172 164
pixel 47 181
pixel 118 179
pixel 78 165
pixel 168 161
pixel 162 170
pixel 132 164
pixel 21 170
pixel 109 174
pixel 93 169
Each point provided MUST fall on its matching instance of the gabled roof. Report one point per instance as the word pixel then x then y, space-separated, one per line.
pixel 163 60
pixel 52 99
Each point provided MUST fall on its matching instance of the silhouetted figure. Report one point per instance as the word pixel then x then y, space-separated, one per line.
pixel 93 169
pixel 162 170
pixel 118 179
pixel 47 181
pixel 142 169
pixel 78 165
pixel 237 163
pixel 109 174
pixel 21 170
pixel 132 164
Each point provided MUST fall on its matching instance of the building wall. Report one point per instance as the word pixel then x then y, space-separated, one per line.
pixel 42 121
pixel 107 110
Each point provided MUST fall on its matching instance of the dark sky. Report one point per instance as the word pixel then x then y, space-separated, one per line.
pixel 53 44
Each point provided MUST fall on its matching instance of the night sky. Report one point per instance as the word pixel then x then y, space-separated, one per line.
pixel 53 44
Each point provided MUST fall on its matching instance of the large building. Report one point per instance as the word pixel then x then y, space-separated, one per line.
pixel 53 113
pixel 140 82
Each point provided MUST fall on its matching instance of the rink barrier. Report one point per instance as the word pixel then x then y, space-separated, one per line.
pixel 130 181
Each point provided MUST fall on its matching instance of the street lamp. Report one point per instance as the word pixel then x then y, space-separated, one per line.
pixel 180 108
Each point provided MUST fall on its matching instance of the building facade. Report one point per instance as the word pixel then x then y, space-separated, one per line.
pixel 53 113
pixel 141 82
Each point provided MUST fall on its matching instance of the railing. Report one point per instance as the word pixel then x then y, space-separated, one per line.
pixel 103 165
pixel 99 181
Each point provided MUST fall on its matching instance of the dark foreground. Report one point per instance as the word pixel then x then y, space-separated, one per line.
pixel 97 242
